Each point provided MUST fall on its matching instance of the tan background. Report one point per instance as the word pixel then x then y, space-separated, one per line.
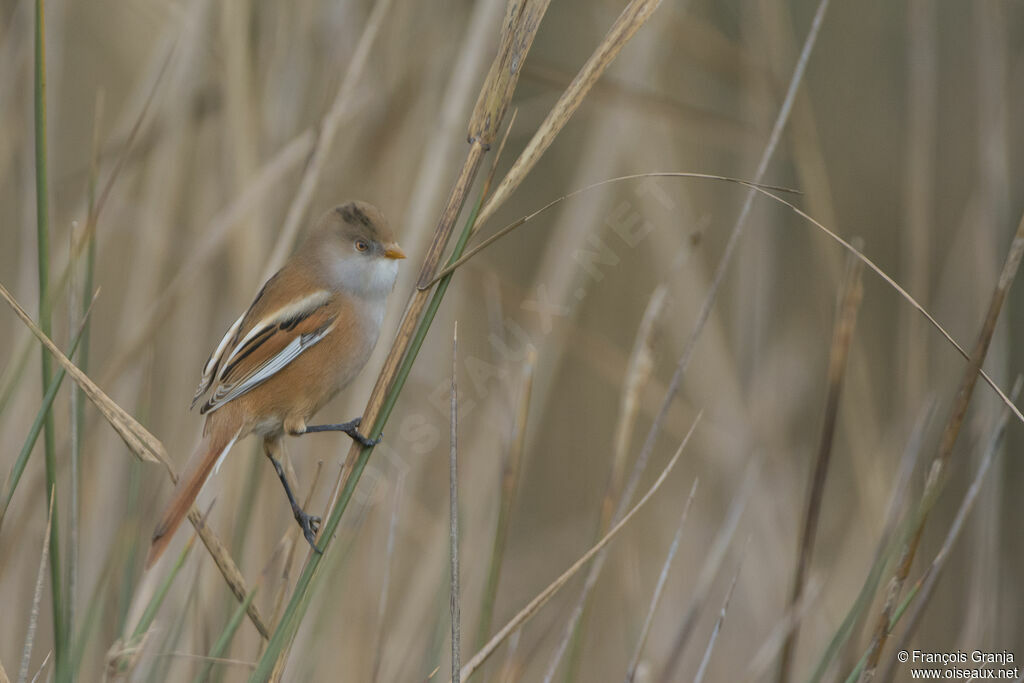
pixel 905 133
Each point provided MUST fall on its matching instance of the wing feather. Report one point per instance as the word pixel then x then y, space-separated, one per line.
pixel 213 362
pixel 270 345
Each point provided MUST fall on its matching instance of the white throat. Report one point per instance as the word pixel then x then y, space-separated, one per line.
pixel 371 278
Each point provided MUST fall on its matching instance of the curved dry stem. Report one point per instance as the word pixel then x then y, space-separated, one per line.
pixel 766 191
pixel 542 598
pixel 473 251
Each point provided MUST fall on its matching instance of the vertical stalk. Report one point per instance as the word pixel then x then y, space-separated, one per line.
pixel 77 397
pixel 43 251
pixel 453 512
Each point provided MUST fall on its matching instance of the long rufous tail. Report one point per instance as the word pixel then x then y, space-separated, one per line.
pixel 218 438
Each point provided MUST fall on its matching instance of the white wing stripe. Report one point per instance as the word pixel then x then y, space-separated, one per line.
pixel 223 343
pixel 307 303
pixel 269 367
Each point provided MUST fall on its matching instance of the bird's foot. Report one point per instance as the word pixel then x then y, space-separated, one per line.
pixel 351 428
pixel 310 526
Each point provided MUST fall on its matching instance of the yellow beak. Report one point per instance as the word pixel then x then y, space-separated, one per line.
pixel 394 251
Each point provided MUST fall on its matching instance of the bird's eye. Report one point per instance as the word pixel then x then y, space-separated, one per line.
pixel 361 245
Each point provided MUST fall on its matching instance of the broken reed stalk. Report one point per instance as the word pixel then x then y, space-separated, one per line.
pixel 519 28
pixel 851 294
pixel 940 465
pixel 18 468
pixel 453 509
pixel 635 15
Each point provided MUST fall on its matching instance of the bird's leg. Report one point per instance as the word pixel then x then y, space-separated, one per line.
pixel 351 428
pixel 310 524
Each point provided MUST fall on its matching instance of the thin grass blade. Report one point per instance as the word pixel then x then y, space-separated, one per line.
pixel 221 645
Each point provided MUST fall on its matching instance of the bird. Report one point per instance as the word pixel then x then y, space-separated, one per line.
pixel 305 337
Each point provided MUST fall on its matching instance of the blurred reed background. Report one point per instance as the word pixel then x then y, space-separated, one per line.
pixel 903 134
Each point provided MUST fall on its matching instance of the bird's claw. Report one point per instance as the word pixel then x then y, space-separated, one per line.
pixel 363 440
pixel 310 527
pixel 351 428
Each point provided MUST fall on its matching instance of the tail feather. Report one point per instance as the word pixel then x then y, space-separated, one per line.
pixel 211 450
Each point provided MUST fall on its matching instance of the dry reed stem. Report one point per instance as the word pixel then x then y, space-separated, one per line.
pixel 938 471
pixel 851 294
pixel 439 155
pixel 17 469
pixel 3 674
pixel 414 310
pixel 403 339
pixel 328 129
pixel 453 509
pixel 518 30
pixel 228 569
pixel 641 641
pixel 144 445
pixel 517 36
pixel 542 598
pixel 483 125
pixel 37 596
pixel 635 14
pixel 491 239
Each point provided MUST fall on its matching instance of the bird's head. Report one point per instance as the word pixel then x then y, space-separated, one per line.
pixel 360 248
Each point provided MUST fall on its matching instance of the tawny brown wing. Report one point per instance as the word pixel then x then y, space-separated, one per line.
pixel 271 344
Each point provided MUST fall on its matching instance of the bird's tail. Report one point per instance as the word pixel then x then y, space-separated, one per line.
pixel 218 438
